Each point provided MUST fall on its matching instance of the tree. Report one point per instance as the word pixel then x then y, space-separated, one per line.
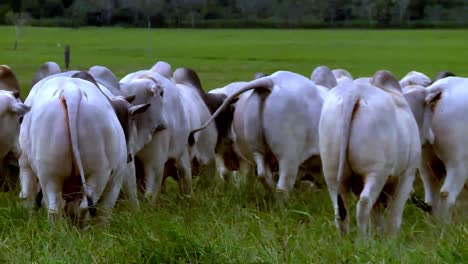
pixel 193 7
pixel 253 9
pixel 369 7
pixel 402 7
pixel 147 8
pixel 19 20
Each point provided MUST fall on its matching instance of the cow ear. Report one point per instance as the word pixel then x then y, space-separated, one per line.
pixel 130 98
pixel 20 109
pixel 138 109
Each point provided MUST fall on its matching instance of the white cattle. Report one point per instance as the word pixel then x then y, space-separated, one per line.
pixel 11 110
pixel 199 105
pixel 323 78
pixel 163 68
pixel 8 81
pixel 369 143
pixel 443 74
pixel 9 151
pixel 168 146
pixel 140 129
pixel 445 168
pixel 229 160
pixel 216 141
pixel 45 70
pixel 363 80
pixel 276 123
pixel 341 74
pixel 415 78
pixel 71 141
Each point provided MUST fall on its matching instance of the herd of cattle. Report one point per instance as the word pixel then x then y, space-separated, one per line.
pixel 82 137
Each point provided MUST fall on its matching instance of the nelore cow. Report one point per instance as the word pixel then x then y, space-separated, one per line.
pixel 415 78
pixel 12 111
pixel 444 169
pixel 231 162
pixel 275 124
pixel 370 144
pixel 45 70
pixel 342 74
pixel 323 78
pixel 143 127
pixel 138 129
pixel 215 140
pixel 73 144
pixel 168 148
pixel 433 171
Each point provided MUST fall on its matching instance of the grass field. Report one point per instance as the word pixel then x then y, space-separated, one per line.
pixel 222 224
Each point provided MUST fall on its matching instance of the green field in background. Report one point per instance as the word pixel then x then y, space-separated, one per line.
pixel 224 56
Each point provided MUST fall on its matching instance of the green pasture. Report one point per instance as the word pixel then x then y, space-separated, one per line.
pixel 224 56
pixel 223 224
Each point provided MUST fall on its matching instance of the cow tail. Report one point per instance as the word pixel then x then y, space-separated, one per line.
pixel 259 84
pixel 350 104
pixel 263 94
pixel 72 100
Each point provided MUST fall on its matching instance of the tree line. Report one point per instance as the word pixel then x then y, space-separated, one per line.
pixel 237 13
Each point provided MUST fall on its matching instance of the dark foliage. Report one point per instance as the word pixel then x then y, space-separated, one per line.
pixel 242 13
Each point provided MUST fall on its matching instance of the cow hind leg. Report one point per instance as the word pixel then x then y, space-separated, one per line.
pixel 185 179
pixel 96 184
pixel 369 195
pixel 109 198
pixel 341 220
pixel 263 171
pixel 377 217
pixel 52 190
pixel 396 207
pixel 337 192
pixel 288 173
pixel 154 178
pixel 453 185
pixel 129 186
pixel 431 186
pixel 28 182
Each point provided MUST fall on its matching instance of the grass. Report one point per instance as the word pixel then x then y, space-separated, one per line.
pixel 223 224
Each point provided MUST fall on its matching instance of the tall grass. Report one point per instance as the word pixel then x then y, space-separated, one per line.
pixel 222 224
